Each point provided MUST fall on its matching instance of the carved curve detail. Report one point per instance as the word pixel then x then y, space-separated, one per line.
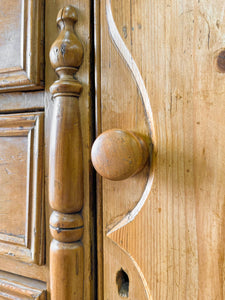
pixel 126 55
pixel 146 290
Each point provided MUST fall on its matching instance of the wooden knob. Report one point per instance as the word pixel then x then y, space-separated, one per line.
pixel 118 154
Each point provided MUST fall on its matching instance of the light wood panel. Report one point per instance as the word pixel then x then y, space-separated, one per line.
pixel 21 194
pixel 21 46
pixel 176 241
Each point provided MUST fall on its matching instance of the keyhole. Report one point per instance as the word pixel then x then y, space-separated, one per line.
pixel 221 62
pixel 122 281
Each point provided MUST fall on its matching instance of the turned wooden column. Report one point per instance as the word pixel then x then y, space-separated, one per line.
pixel 66 166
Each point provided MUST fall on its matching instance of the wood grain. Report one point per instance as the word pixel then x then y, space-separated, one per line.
pixel 176 240
pixel 99 204
pixel 68 270
pixel 85 106
pixel 66 164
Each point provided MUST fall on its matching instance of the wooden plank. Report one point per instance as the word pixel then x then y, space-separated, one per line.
pixel 99 204
pixel 176 241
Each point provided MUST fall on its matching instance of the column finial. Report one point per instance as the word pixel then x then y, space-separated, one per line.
pixel 66 54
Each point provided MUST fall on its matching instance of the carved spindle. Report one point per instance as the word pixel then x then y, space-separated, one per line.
pixel 66 167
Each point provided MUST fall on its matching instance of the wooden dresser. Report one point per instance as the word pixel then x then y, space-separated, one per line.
pixel 42 173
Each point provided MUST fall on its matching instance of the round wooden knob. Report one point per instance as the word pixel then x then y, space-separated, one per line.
pixel 118 154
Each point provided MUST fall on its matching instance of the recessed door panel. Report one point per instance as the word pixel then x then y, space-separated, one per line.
pixel 21 45
pixel 21 180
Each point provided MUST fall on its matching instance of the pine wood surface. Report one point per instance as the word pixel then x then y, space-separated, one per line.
pixel 176 241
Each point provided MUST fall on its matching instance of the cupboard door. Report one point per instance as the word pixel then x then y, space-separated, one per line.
pixel 23 213
pixel 160 73
pixel 28 29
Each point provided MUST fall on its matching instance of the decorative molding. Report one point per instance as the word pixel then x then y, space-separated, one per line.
pixel 22 35
pixel 66 164
pixel 126 55
pixel 17 287
pixel 130 62
pixel 21 168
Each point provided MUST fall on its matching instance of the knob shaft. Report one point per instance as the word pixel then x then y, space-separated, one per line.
pixel 118 154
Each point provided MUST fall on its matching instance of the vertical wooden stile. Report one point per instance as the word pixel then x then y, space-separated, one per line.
pixel 66 164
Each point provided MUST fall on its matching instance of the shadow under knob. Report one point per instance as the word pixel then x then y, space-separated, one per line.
pixel 119 154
